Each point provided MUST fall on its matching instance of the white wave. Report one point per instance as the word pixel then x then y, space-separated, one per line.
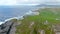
pixel 28 13
pixel 1 23
pixel 10 19
pixel 20 18
pixel 32 13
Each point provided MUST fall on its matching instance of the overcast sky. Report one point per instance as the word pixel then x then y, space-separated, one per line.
pixel 18 2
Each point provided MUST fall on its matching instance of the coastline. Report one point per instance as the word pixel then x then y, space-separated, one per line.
pixel 30 12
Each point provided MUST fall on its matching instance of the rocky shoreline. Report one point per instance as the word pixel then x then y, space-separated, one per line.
pixel 8 27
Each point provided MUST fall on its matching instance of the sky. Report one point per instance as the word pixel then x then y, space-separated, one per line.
pixel 33 2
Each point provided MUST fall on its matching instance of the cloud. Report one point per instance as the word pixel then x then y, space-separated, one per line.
pixel 7 2
pixel 52 0
pixel 18 2
pixel 35 1
pixel 29 1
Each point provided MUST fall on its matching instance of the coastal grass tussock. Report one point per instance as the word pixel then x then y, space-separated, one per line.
pixel 44 23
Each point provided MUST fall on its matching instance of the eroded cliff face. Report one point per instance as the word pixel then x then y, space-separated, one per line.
pixel 8 27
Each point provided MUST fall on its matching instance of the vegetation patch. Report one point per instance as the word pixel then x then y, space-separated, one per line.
pixel 42 23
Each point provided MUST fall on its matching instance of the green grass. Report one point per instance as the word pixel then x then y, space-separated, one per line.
pixel 46 14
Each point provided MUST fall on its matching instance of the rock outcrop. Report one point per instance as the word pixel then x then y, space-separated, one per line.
pixel 8 27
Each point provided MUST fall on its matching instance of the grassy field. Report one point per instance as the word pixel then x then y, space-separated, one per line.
pixel 40 24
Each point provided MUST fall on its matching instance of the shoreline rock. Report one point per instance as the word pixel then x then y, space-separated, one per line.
pixel 7 27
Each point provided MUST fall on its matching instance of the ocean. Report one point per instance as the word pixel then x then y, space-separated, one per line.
pixel 7 12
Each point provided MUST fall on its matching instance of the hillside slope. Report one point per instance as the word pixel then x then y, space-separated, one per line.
pixel 45 22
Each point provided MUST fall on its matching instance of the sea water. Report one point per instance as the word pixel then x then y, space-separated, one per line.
pixel 10 12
